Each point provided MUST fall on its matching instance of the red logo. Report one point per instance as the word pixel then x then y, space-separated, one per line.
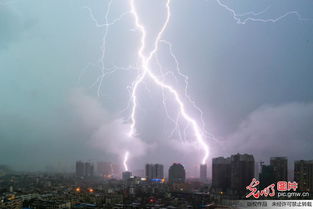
pixel 269 190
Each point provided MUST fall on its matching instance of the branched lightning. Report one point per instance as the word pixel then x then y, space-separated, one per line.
pixel 146 72
pixel 104 70
pixel 245 17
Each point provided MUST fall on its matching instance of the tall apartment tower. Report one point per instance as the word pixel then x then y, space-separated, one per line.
pixel 303 173
pixel 126 175
pixel 221 173
pixel 89 169
pixel 80 169
pixel 154 171
pixel 242 172
pixel 280 168
pixel 159 171
pixel 84 169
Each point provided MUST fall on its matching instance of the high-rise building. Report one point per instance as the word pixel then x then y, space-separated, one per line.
pixel 159 172
pixel 149 171
pixel 154 171
pixel 203 173
pixel 126 175
pixel 280 168
pixel 266 176
pixel 303 174
pixel 89 169
pixel 176 173
pixel 221 173
pixel 80 169
pixel 242 172
pixel 84 169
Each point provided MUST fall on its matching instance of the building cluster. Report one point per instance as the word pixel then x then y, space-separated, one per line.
pixel 278 171
pixel 231 175
pixel 39 191
pixel 106 170
pixel 304 174
pixel 84 169
pixel 100 188
pixel 154 171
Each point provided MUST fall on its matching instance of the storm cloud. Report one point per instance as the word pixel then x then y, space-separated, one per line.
pixel 253 83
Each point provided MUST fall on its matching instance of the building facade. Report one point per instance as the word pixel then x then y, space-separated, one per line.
pixel 84 169
pixel 242 172
pixel 221 174
pixel 266 176
pixel 176 173
pixel 126 175
pixel 154 171
pixel 280 168
pixel 80 169
pixel 303 174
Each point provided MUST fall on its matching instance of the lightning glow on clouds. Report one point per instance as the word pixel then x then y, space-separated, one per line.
pixel 145 70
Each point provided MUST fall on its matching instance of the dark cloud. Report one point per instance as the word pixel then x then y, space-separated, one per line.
pixel 281 130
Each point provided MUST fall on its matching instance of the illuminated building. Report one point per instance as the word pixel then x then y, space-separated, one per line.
pixel 280 166
pixel 176 173
pixel 303 173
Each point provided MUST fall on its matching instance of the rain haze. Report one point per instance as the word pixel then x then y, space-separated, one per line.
pixel 251 79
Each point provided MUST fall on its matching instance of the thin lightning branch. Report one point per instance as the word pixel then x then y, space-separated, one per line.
pixel 186 78
pixel 244 18
pixel 146 72
pixel 106 25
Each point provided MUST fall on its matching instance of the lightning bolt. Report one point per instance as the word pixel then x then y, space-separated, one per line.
pixel 125 160
pixel 146 72
pixel 245 17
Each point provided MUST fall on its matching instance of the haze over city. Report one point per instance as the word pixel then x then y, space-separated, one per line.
pixel 252 82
